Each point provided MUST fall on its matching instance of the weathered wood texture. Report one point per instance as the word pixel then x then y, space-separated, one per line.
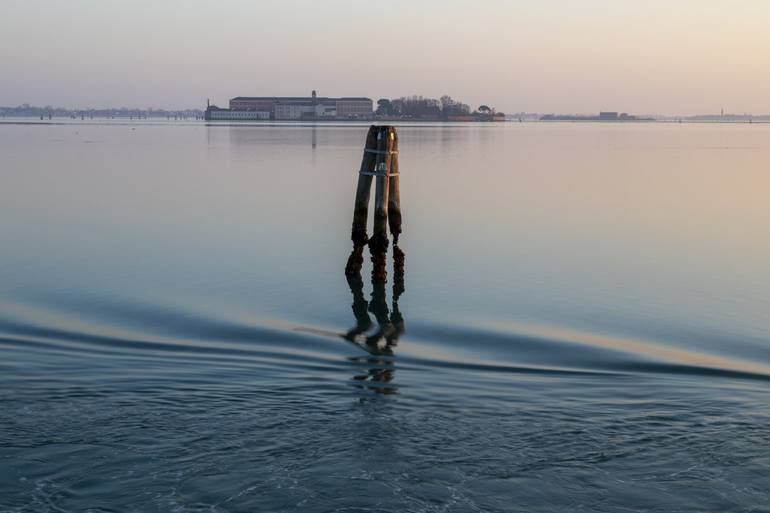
pixel 381 160
pixel 363 190
pixel 361 206
pixel 394 193
pixel 378 244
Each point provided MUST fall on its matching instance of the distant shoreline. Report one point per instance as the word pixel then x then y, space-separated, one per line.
pixel 31 120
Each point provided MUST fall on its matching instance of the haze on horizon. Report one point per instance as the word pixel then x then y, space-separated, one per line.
pixel 650 57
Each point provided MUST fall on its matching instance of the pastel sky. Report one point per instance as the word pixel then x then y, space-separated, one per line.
pixel 571 56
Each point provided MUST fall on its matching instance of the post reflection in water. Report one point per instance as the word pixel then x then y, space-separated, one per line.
pixel 379 363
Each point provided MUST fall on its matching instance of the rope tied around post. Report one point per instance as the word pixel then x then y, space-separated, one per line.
pixel 380 170
pixel 380 152
pixel 379 163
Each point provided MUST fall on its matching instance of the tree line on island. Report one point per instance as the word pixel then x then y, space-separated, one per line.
pixel 430 109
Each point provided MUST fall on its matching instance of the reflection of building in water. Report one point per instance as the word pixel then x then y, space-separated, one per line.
pixel 380 364
pixel 292 108
pixel 254 139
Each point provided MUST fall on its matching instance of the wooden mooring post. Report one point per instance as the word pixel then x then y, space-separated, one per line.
pixel 394 216
pixel 379 162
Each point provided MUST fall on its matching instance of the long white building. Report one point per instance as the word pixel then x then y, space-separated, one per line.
pixel 294 108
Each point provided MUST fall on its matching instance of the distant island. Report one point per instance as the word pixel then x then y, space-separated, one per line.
pixel 322 108
pixel 315 108
pixel 603 116
pixel 49 112
pixel 622 116
pixel 726 118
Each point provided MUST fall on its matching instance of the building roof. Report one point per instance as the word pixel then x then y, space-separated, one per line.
pixel 297 98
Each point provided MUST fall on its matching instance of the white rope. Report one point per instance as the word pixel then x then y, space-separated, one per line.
pixel 380 152
pixel 370 173
pixel 380 170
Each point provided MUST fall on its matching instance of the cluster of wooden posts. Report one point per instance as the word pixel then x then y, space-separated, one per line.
pixel 379 163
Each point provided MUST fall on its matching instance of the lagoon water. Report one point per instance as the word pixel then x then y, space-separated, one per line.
pixel 585 324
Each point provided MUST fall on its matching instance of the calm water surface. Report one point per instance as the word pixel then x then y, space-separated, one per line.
pixel 585 324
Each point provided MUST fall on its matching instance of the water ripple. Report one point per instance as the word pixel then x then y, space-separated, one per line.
pixel 184 337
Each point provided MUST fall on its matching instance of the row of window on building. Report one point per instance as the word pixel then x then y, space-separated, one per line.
pixel 291 108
